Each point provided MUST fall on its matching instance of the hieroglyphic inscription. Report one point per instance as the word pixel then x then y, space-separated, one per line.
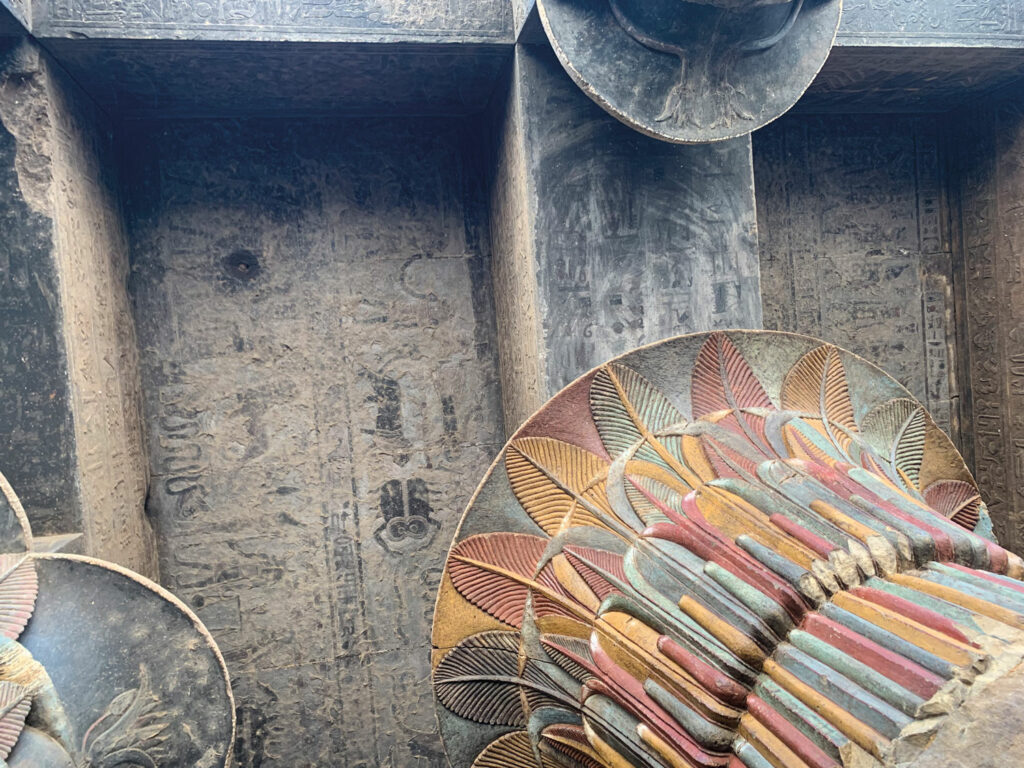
pixel 68 355
pixel 317 17
pixel 319 405
pixel 990 158
pixel 102 348
pixel 854 246
pixel 636 239
pixel 927 19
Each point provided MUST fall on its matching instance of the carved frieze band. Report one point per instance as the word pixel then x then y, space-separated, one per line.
pixel 489 18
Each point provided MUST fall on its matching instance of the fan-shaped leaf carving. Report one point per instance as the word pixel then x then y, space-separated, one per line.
pixel 484 679
pixel 558 484
pixel 513 750
pixel 19 586
pixel 571 654
pixel 955 499
pixel 598 568
pixel 495 572
pixel 627 409
pixel 895 430
pixel 14 705
pixel 570 742
pixel 723 380
pixel 479 679
pixel 817 384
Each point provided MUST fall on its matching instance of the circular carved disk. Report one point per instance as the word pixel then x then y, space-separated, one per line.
pixel 676 70
pixel 132 667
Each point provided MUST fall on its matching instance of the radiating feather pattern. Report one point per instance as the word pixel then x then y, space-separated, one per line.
pixel 764 583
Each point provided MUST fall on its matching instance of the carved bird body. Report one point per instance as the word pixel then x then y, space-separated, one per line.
pixel 784 581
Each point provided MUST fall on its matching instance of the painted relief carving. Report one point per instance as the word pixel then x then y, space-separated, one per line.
pixel 729 549
pixel 696 71
pixel 75 632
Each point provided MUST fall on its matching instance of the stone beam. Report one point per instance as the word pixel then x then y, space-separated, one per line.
pixel 69 383
pixel 921 23
pixel 604 239
pixel 14 17
pixel 369 21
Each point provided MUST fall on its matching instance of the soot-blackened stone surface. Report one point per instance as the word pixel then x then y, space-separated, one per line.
pixel 692 72
pixel 317 419
pixel 37 449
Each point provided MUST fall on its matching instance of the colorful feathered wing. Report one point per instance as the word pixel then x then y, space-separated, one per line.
pixel 772 568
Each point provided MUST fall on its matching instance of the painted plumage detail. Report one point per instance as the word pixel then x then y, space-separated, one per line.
pixel 14 706
pixel 767 582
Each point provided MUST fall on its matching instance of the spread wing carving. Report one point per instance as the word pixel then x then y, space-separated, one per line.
pixel 762 584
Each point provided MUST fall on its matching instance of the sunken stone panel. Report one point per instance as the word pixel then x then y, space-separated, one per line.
pixel 202 78
pixel 321 388
pixel 854 243
pixel 908 79
pixel 989 162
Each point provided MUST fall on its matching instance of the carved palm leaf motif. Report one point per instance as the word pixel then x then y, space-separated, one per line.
pixel 770 565
pixel 21 678
pixel 130 730
pixel 19 587
pixel 14 705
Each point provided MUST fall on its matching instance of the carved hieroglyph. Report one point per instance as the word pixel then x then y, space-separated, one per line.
pixel 693 71
pixel 729 549
pixel 99 667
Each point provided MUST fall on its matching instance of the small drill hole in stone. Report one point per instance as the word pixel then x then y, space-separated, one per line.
pixel 242 265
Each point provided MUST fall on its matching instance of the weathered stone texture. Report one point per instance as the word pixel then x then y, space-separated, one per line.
pixel 14 16
pixel 512 204
pixel 990 173
pixel 626 239
pixel 908 79
pixel 637 239
pixel 82 401
pixel 202 79
pixel 37 452
pixel 102 349
pixel 320 399
pixel 373 20
pixel 932 22
pixel 855 247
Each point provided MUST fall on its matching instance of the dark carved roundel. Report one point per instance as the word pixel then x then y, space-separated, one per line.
pixel 692 72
